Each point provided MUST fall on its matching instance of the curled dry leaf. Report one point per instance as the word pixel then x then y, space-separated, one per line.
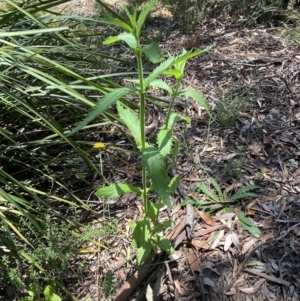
pixel 248 244
pixel 236 241
pixel 253 289
pixel 228 242
pixel 206 218
pixel 200 244
pixel 231 292
pixel 217 239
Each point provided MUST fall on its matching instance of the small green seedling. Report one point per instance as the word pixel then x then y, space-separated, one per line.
pixel 49 294
pixel 224 200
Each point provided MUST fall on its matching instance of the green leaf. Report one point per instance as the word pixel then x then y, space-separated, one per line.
pixel 208 192
pixel 217 187
pixel 132 122
pixel 173 72
pixel 50 295
pixel 117 189
pixel 157 170
pixel 159 83
pixel 175 118
pixel 176 151
pixel 143 15
pixel 143 252
pixel 117 22
pixel 244 192
pixel 102 105
pixel 153 53
pixel 158 71
pixel 166 245
pixel 141 238
pixel 198 97
pixel 174 183
pixel 131 17
pixel 248 225
pixel 141 231
pixel 188 201
pixel 154 210
pixel 164 141
pixel 186 55
pixel 127 37
pixel 162 226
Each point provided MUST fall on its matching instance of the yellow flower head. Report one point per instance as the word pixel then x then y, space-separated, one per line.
pixel 99 145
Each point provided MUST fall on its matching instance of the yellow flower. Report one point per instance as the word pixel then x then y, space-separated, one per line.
pixel 99 145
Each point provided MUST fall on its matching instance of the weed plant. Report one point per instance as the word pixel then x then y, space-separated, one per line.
pixel 156 158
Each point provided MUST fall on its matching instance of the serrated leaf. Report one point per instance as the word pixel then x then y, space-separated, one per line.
pixel 207 192
pixel 101 106
pixel 157 170
pixel 217 187
pixel 248 225
pixel 50 295
pixel 141 239
pixel 117 22
pixel 164 141
pixel 126 37
pixel 153 211
pixel 244 192
pixel 173 72
pixel 159 83
pixel 132 122
pixel 117 189
pixel 162 226
pixel 131 17
pixel 187 201
pixel 198 97
pixel 186 55
pixel 143 252
pixel 142 17
pixel 158 71
pixel 173 119
pixel 141 232
pixel 174 183
pixel 166 245
pixel 153 53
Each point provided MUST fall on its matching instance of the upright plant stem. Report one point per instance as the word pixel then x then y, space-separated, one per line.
pixel 172 103
pixel 142 120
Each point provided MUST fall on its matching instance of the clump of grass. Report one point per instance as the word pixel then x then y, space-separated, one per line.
pixel 228 108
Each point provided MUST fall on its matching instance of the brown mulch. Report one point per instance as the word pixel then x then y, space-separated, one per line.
pixel 216 259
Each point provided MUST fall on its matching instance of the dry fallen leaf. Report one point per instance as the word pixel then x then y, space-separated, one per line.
pixel 267 223
pixel 206 218
pixel 217 239
pixel 255 149
pixel 247 245
pixel 228 242
pixel 193 261
pixel 253 289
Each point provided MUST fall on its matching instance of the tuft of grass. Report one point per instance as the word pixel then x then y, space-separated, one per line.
pixel 228 108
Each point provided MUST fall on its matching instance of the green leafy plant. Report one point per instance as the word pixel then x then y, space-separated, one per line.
pixel 219 196
pixel 49 294
pixel 224 200
pixel 108 284
pixel 147 231
pixel 248 225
